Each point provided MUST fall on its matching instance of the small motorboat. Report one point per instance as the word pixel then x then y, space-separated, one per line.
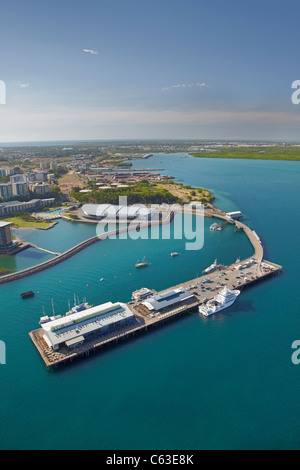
pixel 24 295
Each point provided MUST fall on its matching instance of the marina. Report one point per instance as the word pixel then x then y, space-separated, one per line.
pixel 149 309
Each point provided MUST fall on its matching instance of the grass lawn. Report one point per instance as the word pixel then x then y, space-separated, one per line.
pixel 19 222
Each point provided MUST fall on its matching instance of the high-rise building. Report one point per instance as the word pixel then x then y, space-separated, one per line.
pixel 5 172
pixel 5 235
pixel 18 179
pixel 6 190
pixel 41 176
pixel 20 189
pixel 43 165
pixel 40 189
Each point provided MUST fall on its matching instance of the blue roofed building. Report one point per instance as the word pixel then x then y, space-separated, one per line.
pixel 73 330
pixel 168 300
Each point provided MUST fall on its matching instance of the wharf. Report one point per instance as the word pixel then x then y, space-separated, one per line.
pixel 238 275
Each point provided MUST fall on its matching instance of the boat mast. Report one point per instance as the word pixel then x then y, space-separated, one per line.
pixel 53 307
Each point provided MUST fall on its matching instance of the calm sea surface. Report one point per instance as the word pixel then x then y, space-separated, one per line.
pixel 217 383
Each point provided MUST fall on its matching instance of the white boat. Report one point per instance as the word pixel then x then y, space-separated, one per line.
pixel 212 267
pixel 215 226
pixel 222 300
pixel 142 293
pixel 143 264
pixel 78 307
pixel 174 253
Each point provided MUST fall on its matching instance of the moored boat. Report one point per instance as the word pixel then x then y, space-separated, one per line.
pixel 212 267
pixel 141 264
pixel 24 295
pixel 223 299
pixel 215 226
pixel 142 293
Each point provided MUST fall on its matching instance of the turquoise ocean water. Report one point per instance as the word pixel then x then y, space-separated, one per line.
pixel 218 383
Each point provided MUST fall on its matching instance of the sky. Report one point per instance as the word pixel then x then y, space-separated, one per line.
pixel 148 69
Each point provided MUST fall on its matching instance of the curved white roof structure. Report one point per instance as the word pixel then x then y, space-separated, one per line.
pixel 100 211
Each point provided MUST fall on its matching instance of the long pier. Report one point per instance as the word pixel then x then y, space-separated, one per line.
pixel 238 275
pixel 44 249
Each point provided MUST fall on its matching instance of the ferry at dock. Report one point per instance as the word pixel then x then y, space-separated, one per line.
pixel 223 299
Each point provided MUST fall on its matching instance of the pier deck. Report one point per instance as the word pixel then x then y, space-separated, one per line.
pixel 238 275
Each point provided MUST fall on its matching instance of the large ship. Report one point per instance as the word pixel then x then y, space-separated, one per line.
pixel 212 267
pixel 222 300
pixel 141 264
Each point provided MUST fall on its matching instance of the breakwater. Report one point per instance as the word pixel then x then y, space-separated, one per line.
pixel 80 246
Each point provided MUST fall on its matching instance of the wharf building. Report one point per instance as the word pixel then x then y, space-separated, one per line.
pixel 75 329
pixel 166 301
pixel 234 215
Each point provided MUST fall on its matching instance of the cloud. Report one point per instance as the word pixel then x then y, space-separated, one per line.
pixel 186 85
pixel 22 84
pixel 90 51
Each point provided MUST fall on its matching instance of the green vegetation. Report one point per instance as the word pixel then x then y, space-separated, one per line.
pixel 71 216
pixel 59 171
pixel 185 193
pixel 25 220
pixel 287 152
pixel 124 164
pixel 4 271
pixel 143 192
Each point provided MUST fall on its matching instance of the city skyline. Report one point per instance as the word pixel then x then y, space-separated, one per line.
pixel 161 70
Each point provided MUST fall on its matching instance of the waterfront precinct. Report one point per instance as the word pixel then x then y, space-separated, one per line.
pixel 84 329
pixel 90 196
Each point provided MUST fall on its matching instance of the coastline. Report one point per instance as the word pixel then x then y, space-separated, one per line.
pixel 60 257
